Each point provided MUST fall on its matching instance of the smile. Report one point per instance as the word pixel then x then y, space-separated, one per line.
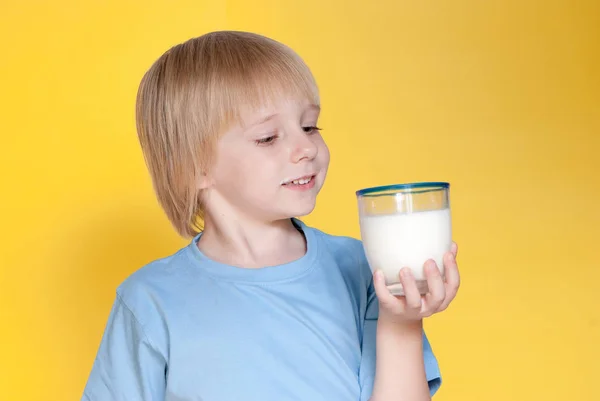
pixel 301 182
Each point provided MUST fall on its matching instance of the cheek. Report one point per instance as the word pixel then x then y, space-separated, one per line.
pixel 324 154
pixel 226 172
pixel 245 172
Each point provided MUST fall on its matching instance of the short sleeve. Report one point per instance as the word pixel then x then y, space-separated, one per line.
pixel 367 365
pixel 127 366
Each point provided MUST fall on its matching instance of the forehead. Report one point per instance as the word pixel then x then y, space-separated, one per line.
pixel 288 107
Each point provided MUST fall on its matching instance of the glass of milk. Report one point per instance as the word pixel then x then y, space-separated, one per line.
pixel 404 225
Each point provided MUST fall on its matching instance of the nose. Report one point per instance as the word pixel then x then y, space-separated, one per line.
pixel 303 148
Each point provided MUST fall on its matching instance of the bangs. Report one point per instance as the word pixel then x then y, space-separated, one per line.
pixel 265 89
pixel 257 75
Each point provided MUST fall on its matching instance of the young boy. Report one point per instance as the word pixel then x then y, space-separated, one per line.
pixel 258 306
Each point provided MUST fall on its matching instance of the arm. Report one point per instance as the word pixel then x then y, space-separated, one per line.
pixel 401 371
pixel 128 366
pixel 400 364
pixel 374 343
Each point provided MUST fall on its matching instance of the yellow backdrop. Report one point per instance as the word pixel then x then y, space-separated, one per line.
pixel 501 98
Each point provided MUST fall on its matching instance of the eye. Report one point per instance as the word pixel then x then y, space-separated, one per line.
pixel 266 140
pixel 311 129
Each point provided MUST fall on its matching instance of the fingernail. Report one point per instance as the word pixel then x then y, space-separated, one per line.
pixel 379 275
pixel 405 272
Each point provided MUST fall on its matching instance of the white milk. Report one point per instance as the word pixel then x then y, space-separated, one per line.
pixel 406 240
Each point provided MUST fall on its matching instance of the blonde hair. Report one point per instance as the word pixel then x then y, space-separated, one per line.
pixel 192 94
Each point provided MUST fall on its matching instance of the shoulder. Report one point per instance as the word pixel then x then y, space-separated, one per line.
pixel 345 250
pixel 153 274
pixel 145 291
pixel 340 245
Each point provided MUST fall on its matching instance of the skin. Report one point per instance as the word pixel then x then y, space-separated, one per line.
pixel 248 224
pixel 247 210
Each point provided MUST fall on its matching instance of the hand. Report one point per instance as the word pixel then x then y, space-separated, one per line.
pixel 414 306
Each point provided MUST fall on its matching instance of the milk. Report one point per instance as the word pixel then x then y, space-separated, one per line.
pixel 395 241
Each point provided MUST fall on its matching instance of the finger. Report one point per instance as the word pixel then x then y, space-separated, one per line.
pixel 386 299
pixel 411 292
pixel 454 249
pixel 437 288
pixel 452 280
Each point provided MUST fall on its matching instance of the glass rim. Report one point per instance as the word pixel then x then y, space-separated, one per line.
pixel 431 185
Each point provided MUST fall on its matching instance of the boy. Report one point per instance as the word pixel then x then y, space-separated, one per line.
pixel 259 306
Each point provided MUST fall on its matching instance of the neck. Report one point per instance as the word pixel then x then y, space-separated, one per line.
pixel 249 243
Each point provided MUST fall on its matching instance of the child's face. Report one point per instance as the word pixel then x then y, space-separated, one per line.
pixel 257 160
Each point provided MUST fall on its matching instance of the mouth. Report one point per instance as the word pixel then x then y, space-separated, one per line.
pixel 303 182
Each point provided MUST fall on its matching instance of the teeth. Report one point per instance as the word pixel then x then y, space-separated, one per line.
pixel 301 181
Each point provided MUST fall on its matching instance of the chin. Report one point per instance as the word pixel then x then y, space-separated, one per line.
pixel 306 212
pixel 299 211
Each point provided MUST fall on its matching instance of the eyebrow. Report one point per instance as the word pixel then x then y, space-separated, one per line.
pixel 312 107
pixel 263 120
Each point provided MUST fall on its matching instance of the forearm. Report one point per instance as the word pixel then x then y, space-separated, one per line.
pixel 400 370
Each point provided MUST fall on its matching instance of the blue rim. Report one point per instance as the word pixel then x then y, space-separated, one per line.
pixel 433 185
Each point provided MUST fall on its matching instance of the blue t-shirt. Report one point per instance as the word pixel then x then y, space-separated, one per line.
pixel 188 328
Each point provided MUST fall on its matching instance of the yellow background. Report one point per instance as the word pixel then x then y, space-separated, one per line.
pixel 501 98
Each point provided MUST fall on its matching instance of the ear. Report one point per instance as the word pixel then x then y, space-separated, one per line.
pixel 204 181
